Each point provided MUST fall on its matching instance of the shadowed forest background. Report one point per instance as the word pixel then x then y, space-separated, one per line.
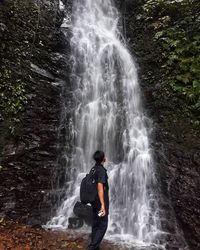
pixel 164 39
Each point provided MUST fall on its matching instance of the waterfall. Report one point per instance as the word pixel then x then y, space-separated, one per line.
pixel 109 116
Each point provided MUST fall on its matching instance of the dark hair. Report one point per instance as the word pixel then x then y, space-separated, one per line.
pixel 99 156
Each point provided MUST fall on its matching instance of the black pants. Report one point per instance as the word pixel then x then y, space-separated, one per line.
pixel 99 227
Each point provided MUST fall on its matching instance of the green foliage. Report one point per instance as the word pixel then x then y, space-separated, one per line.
pixel 176 28
pixel 20 20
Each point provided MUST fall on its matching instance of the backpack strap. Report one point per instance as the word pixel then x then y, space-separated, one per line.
pixel 93 170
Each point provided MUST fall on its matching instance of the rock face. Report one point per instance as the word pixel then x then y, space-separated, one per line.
pixel 32 164
pixel 176 144
pixel 29 161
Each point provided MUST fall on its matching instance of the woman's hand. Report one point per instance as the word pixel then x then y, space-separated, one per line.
pixel 102 211
pixel 101 198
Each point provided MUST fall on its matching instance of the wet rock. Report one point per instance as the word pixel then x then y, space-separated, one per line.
pixel 42 72
pixel 34 223
pixel 29 160
pixel 176 144
pixel 2 27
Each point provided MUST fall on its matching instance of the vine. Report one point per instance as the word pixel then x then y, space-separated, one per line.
pixel 176 27
pixel 21 20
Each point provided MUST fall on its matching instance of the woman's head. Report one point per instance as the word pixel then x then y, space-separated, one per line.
pixel 99 156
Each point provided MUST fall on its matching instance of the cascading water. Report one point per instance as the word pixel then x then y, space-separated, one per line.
pixel 109 116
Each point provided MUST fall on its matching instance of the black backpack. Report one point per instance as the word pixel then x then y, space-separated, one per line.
pixel 88 189
pixel 83 211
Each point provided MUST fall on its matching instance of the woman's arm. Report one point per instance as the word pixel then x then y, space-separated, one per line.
pixel 101 198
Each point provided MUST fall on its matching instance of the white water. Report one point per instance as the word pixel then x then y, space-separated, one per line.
pixel 109 117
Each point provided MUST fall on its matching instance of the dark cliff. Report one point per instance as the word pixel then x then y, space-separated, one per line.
pixel 34 53
pixel 176 139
